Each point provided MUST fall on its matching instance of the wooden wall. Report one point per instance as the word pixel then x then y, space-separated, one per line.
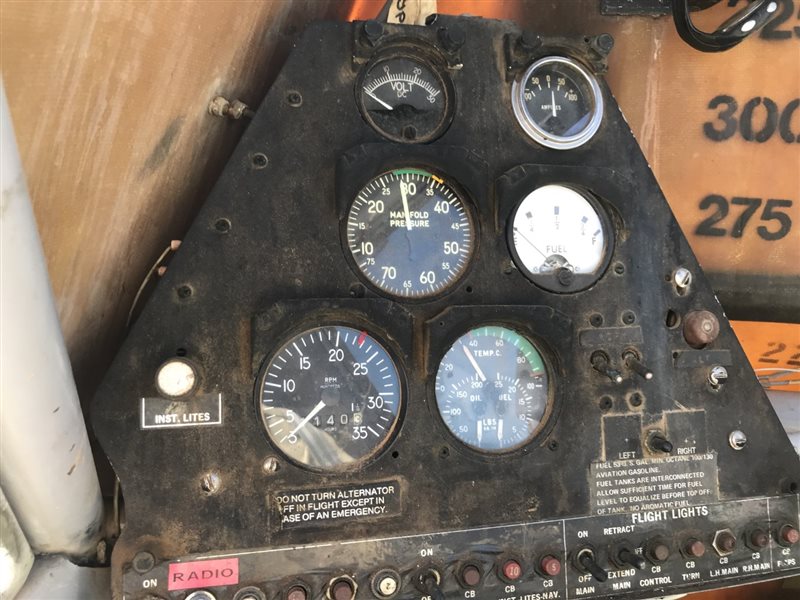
pixel 109 101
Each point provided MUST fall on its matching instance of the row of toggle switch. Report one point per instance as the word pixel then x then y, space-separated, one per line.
pixel 386 583
pixel 657 550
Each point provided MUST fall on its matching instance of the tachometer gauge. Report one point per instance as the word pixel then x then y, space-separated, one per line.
pixel 410 233
pixel 560 238
pixel 558 103
pixel 405 99
pixel 492 389
pixel 330 397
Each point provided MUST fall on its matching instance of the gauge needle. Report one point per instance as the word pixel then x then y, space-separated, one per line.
pixel 378 100
pixel 310 416
pixel 553 102
pixel 480 430
pixel 500 429
pixel 473 362
pixel 522 235
pixel 404 195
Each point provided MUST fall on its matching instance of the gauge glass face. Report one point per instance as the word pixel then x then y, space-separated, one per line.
pixel 404 99
pixel 410 234
pixel 558 103
pixel 492 389
pixel 330 397
pixel 559 239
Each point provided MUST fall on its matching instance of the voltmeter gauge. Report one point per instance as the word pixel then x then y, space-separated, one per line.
pixel 405 99
pixel 492 389
pixel 330 397
pixel 560 238
pixel 558 103
pixel 410 233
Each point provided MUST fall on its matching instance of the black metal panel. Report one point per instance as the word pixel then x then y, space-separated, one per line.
pixel 232 294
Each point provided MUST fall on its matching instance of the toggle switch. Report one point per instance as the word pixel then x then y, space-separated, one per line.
pixel 586 561
pixel 601 365
pixel 627 557
pixel 632 362
pixel 658 443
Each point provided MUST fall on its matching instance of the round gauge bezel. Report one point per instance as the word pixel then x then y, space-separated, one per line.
pixel 394 354
pixel 529 125
pixel 547 422
pixel 581 281
pixel 430 60
pixel 469 209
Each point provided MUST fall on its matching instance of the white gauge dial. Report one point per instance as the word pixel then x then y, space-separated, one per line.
pixel 559 238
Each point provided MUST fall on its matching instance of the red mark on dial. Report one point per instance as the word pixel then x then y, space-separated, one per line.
pixel 362 337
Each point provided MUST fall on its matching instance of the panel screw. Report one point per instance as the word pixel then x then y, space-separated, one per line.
pixel 603 43
pixel 295 99
pixel 210 483
pixel 565 276
pixel 737 439
pixel 452 37
pixel 717 376
pixel 184 291
pixel 372 32
pixel 271 465
pixel 682 278
pixel 529 41
pixel 143 562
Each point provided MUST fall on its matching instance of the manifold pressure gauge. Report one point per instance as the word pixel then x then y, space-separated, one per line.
pixel 410 233
pixel 560 238
pixel 405 99
pixel 492 389
pixel 330 397
pixel 558 103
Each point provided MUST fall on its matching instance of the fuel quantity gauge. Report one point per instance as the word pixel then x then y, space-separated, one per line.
pixel 405 99
pixel 560 238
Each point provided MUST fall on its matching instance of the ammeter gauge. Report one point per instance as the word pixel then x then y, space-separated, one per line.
pixel 410 233
pixel 405 99
pixel 560 238
pixel 558 103
pixel 492 389
pixel 330 397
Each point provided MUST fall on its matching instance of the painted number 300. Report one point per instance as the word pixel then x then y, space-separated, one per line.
pixel 758 120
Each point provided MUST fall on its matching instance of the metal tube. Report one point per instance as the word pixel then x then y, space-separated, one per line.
pixel 46 467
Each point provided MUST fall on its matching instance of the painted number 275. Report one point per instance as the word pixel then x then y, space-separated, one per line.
pixel 776 222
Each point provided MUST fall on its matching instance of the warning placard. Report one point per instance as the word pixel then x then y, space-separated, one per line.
pixel 300 508
pixel 622 486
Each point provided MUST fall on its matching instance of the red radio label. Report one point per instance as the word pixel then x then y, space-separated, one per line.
pixel 203 573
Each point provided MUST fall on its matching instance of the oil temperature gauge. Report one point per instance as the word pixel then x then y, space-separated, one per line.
pixel 558 103
pixel 560 238
pixel 405 99
pixel 492 389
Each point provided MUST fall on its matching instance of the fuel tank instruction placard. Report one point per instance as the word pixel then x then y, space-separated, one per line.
pixel 623 486
pixel 314 507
